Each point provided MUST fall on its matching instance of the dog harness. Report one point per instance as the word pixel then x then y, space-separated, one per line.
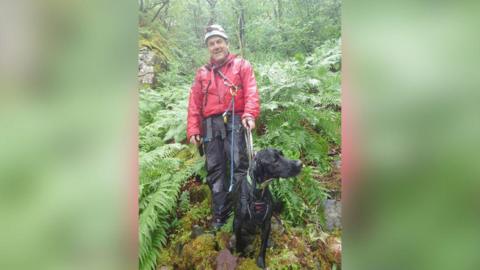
pixel 257 206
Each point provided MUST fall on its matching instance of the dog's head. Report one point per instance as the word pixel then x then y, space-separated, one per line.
pixel 270 163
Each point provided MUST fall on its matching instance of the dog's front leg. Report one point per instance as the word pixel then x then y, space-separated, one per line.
pixel 239 241
pixel 263 249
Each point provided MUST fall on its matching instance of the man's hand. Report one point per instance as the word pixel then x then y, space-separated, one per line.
pixel 248 123
pixel 195 139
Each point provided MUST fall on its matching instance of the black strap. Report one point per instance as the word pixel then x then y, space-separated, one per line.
pixel 216 69
pixel 209 134
pixel 213 127
pixel 226 79
pixel 205 97
pixel 223 133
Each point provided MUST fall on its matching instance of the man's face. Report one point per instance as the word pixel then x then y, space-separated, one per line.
pixel 218 48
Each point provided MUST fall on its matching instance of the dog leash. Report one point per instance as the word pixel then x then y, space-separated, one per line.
pixel 248 133
pixel 249 141
pixel 250 154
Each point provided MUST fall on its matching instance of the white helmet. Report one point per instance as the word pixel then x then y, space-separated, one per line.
pixel 215 30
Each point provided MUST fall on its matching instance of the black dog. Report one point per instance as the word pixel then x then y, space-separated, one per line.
pixel 253 206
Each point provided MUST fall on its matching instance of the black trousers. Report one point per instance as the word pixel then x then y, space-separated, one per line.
pixel 217 143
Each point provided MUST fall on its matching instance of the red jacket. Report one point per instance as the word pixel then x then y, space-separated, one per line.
pixel 240 73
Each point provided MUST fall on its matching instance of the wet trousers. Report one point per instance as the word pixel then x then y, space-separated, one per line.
pixel 217 146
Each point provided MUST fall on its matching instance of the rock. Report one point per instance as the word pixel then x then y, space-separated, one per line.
pixel 334 250
pixel 196 231
pixel 199 253
pixel 226 261
pixel 146 63
pixel 333 214
pixel 338 164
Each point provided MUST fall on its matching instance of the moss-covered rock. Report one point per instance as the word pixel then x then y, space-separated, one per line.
pixel 247 264
pixel 226 261
pixel 334 250
pixel 199 253
pixel 282 258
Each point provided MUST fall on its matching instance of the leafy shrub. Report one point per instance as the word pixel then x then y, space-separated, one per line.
pixel 163 168
pixel 300 116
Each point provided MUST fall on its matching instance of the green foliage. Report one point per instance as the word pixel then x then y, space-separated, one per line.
pixel 315 75
pixel 163 167
pixel 197 212
pixel 279 29
pixel 184 201
pixel 301 198
pixel 300 103
pixel 163 115
pixel 161 175
pixel 286 257
pixel 303 96
pixel 228 227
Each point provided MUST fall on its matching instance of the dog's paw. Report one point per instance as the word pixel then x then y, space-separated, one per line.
pixel 261 262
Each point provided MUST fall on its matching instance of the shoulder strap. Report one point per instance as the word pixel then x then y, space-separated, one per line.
pixel 236 63
pixel 208 68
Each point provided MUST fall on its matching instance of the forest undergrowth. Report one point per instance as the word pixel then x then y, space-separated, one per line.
pixel 300 115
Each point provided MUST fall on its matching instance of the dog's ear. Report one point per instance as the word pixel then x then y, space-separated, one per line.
pixel 257 168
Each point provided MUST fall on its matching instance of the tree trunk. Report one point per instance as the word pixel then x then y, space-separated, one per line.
pixel 164 4
pixel 279 10
pixel 241 27
pixel 213 15
pixel 196 12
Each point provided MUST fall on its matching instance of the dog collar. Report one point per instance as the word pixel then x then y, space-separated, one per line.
pixel 249 179
pixel 265 184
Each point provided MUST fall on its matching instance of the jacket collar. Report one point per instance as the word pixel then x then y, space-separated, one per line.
pixel 215 66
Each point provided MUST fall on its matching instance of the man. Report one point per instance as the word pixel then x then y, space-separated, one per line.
pixel 225 77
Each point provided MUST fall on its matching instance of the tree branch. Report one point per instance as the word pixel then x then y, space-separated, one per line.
pixel 160 9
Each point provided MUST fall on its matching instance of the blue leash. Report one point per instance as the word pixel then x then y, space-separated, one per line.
pixel 233 92
pixel 232 145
